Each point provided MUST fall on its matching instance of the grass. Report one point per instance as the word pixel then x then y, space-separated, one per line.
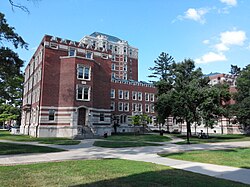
pixel 107 172
pixel 238 157
pixel 215 138
pixel 139 138
pixel 5 135
pixel 121 144
pixel 12 148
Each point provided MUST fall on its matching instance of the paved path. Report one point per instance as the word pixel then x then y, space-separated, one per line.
pixel 85 150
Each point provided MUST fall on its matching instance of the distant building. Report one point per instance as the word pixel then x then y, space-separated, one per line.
pixel 82 88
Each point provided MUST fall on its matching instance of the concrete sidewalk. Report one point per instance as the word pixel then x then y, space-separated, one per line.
pixel 85 150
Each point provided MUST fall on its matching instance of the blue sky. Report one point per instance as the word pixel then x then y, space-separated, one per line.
pixel 214 33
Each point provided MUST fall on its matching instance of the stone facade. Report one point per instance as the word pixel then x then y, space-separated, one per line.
pixel 79 88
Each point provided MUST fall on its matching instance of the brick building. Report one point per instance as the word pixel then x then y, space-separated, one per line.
pixel 78 88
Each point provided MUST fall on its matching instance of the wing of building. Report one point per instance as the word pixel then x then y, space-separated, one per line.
pixel 83 88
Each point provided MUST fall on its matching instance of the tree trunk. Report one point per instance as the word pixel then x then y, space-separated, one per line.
pixel 188 132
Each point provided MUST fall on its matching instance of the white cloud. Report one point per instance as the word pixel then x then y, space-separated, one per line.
pixel 230 38
pixel 211 57
pixel 206 42
pixel 196 14
pixel 229 2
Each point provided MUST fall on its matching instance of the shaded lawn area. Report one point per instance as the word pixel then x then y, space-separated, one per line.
pixel 12 148
pixel 139 138
pixel 106 172
pixel 238 157
pixel 214 138
pixel 5 135
pixel 121 144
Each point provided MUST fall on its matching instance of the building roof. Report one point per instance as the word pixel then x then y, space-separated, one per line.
pixel 109 37
pixel 212 74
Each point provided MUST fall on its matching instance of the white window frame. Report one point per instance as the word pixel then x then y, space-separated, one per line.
pixel 134 95
pixel 134 107
pixel 147 108
pixel 112 93
pixel 126 94
pixel 126 107
pixel 139 107
pixel 89 52
pixel 120 106
pixel 152 97
pixel 72 50
pixel 83 90
pixel 152 108
pixel 139 97
pixel 120 94
pixel 83 72
pixel 146 96
pixel 112 106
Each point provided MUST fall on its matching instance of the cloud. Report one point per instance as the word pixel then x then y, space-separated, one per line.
pixel 230 38
pixel 229 2
pixel 206 42
pixel 195 15
pixel 211 57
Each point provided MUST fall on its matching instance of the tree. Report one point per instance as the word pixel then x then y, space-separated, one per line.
pixel 141 120
pixel 243 98
pixel 235 70
pixel 11 77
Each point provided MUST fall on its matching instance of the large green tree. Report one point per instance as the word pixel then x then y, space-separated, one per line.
pixel 243 98
pixel 11 77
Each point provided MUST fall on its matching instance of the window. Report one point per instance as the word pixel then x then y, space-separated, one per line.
pixel 152 108
pixel 113 58
pixel 115 48
pixel 146 97
pixel 152 97
pixel 120 92
pixel 120 106
pixel 125 68
pixel 125 76
pixel 126 107
pixel 139 96
pixel 130 52
pixel 139 107
pixel 113 75
pixel 83 93
pixel 51 114
pixel 112 107
pixel 126 94
pixel 72 52
pixel 101 116
pixel 146 108
pixel 112 66
pixel 134 107
pixel 112 94
pixel 89 55
pixel 83 72
pixel 110 47
pixel 125 50
pixel 134 95
pixel 125 58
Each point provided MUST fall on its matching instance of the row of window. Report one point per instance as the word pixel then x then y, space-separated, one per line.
pixel 124 94
pixel 72 52
pixel 136 107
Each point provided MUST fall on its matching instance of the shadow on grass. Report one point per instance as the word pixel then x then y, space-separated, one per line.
pixel 170 177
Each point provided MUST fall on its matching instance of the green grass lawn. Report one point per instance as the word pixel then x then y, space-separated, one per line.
pixel 12 148
pixel 215 138
pixel 5 135
pixel 238 157
pixel 107 172
pixel 139 138
pixel 121 144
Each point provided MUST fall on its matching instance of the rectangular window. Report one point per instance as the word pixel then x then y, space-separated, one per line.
pixel 113 75
pixel 83 93
pixel 89 55
pixel 134 95
pixel 139 96
pixel 112 93
pixel 126 94
pixel 83 72
pixel 126 107
pixel 152 108
pixel 120 92
pixel 125 68
pixel 152 97
pixel 139 107
pixel 51 114
pixel 134 107
pixel 146 108
pixel 112 106
pixel 101 116
pixel 146 97
pixel 72 52
pixel 120 106
pixel 112 66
